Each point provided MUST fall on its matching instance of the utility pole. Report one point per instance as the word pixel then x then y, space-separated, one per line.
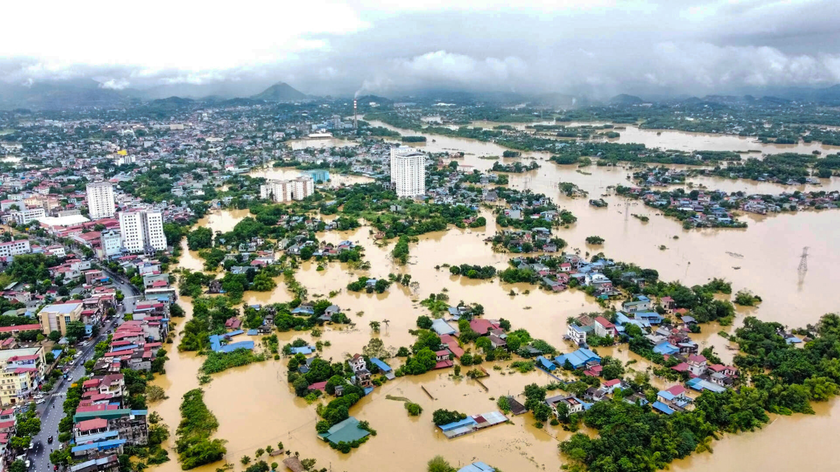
pixel 803 265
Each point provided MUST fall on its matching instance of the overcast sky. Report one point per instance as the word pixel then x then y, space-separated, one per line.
pixel 387 47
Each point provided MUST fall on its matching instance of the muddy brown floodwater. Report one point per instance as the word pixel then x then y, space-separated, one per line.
pixel 685 141
pixel 255 406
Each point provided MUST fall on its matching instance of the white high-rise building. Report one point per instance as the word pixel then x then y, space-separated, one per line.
pixel 142 231
pixel 287 190
pixel 100 200
pixel 408 172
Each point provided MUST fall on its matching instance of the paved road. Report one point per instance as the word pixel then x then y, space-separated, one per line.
pixel 51 411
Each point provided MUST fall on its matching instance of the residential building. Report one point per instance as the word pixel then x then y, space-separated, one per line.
pixel 111 241
pixel 100 200
pixel 408 172
pixel 57 317
pixel 360 371
pixel 287 190
pixel 21 372
pixel 604 328
pixel 26 215
pixel 142 231
pixel 130 425
pixel 13 248
pixel 102 464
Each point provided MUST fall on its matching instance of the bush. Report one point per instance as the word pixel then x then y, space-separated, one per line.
pixel 413 409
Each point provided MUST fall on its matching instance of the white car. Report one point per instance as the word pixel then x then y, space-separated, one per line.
pixel 40 401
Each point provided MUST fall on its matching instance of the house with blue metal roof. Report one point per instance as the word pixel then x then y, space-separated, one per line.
pixel 666 349
pixel 216 344
pixel 649 316
pixel 305 350
pixel 578 359
pixel 477 467
pixel 545 364
pixel 699 384
pixel 442 327
pixel 344 431
pixel 662 408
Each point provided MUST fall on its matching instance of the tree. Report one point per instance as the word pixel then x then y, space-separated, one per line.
pixel 374 326
pixel 424 322
pixel 438 463
pixel 441 416
pixel 200 238
pixel 542 412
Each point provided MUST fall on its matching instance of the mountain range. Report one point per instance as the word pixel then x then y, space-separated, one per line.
pixel 87 93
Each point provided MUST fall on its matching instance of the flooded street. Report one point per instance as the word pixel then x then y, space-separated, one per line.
pixel 256 407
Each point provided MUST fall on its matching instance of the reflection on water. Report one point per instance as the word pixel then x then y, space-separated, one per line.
pixel 255 406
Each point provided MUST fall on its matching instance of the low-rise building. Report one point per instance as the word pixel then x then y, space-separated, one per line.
pixel 56 317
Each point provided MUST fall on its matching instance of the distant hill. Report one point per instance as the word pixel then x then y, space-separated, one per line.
pixel 366 99
pixel 624 99
pixel 280 92
pixel 59 95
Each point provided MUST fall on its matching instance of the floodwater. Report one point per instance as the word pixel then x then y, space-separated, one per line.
pixel 255 407
pixel 686 141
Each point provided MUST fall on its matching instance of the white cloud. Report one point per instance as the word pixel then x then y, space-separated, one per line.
pixel 326 46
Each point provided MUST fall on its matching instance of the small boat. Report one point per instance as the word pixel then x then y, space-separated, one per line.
pixel 737 268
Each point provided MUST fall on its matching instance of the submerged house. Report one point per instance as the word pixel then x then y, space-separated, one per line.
pixel 346 431
pixel 578 359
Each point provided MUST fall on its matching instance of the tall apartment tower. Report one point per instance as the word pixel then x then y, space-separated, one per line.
pixel 142 231
pixel 100 200
pixel 408 172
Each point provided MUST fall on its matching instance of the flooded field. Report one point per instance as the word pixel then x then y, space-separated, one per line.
pixel 255 406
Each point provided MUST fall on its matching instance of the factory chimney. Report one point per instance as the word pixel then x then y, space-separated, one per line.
pixel 355 122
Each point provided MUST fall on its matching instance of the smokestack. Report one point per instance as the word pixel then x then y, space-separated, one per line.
pixel 355 120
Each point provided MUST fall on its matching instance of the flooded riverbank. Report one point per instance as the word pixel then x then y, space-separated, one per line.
pixel 255 407
pixel 688 141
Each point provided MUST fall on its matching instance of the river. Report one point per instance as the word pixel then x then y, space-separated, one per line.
pixel 255 407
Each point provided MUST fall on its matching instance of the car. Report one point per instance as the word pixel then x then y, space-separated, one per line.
pixel 40 401
pixel 28 463
pixel 31 445
pixel 50 440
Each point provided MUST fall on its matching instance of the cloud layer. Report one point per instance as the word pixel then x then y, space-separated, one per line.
pixel 321 46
